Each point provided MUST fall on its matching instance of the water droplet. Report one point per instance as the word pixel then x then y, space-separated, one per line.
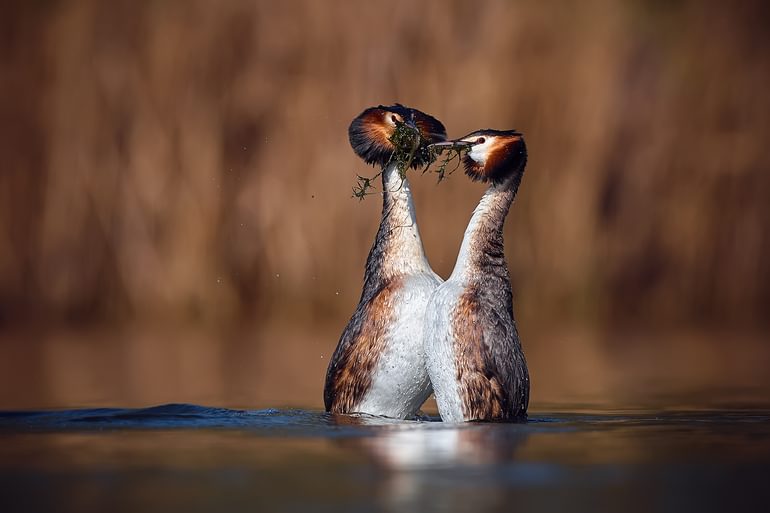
pixel 277 275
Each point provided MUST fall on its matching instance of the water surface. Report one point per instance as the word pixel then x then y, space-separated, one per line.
pixel 181 457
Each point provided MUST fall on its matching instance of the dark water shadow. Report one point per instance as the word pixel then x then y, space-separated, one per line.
pixel 197 458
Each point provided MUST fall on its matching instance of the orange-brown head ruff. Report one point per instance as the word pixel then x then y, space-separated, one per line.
pixel 371 132
pixel 492 155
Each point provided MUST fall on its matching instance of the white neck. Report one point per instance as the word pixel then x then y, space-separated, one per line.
pixel 488 217
pixel 405 251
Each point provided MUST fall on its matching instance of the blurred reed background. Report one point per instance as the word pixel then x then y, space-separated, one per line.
pixel 176 220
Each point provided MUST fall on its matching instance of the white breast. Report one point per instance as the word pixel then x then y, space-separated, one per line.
pixel 439 350
pixel 400 382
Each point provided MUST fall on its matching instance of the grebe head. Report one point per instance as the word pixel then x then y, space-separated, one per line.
pixel 371 133
pixel 491 155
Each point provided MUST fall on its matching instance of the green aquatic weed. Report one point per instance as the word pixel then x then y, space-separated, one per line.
pixel 406 140
pixel 452 153
pixel 409 143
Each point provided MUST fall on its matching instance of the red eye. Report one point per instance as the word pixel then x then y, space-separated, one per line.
pixel 480 140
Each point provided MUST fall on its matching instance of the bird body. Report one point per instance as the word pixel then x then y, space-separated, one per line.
pixel 378 366
pixel 473 351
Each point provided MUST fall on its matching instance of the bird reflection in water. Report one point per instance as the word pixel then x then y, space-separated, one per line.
pixel 430 464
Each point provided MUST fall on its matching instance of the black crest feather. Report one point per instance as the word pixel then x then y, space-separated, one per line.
pixel 370 134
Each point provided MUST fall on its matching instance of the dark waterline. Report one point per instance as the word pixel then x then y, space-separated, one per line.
pixel 194 458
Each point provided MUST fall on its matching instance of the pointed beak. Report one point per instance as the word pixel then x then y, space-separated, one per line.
pixel 456 144
pixel 411 124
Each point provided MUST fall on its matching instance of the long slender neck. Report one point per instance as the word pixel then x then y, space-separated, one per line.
pixel 397 249
pixel 482 247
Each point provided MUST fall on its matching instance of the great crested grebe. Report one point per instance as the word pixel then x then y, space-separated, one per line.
pixel 379 365
pixel 472 348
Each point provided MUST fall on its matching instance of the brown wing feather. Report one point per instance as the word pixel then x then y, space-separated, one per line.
pixel 483 394
pixel 361 344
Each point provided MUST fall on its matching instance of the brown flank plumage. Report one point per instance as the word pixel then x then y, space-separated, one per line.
pixel 352 374
pixel 482 394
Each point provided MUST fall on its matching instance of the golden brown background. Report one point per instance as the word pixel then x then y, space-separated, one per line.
pixel 175 213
